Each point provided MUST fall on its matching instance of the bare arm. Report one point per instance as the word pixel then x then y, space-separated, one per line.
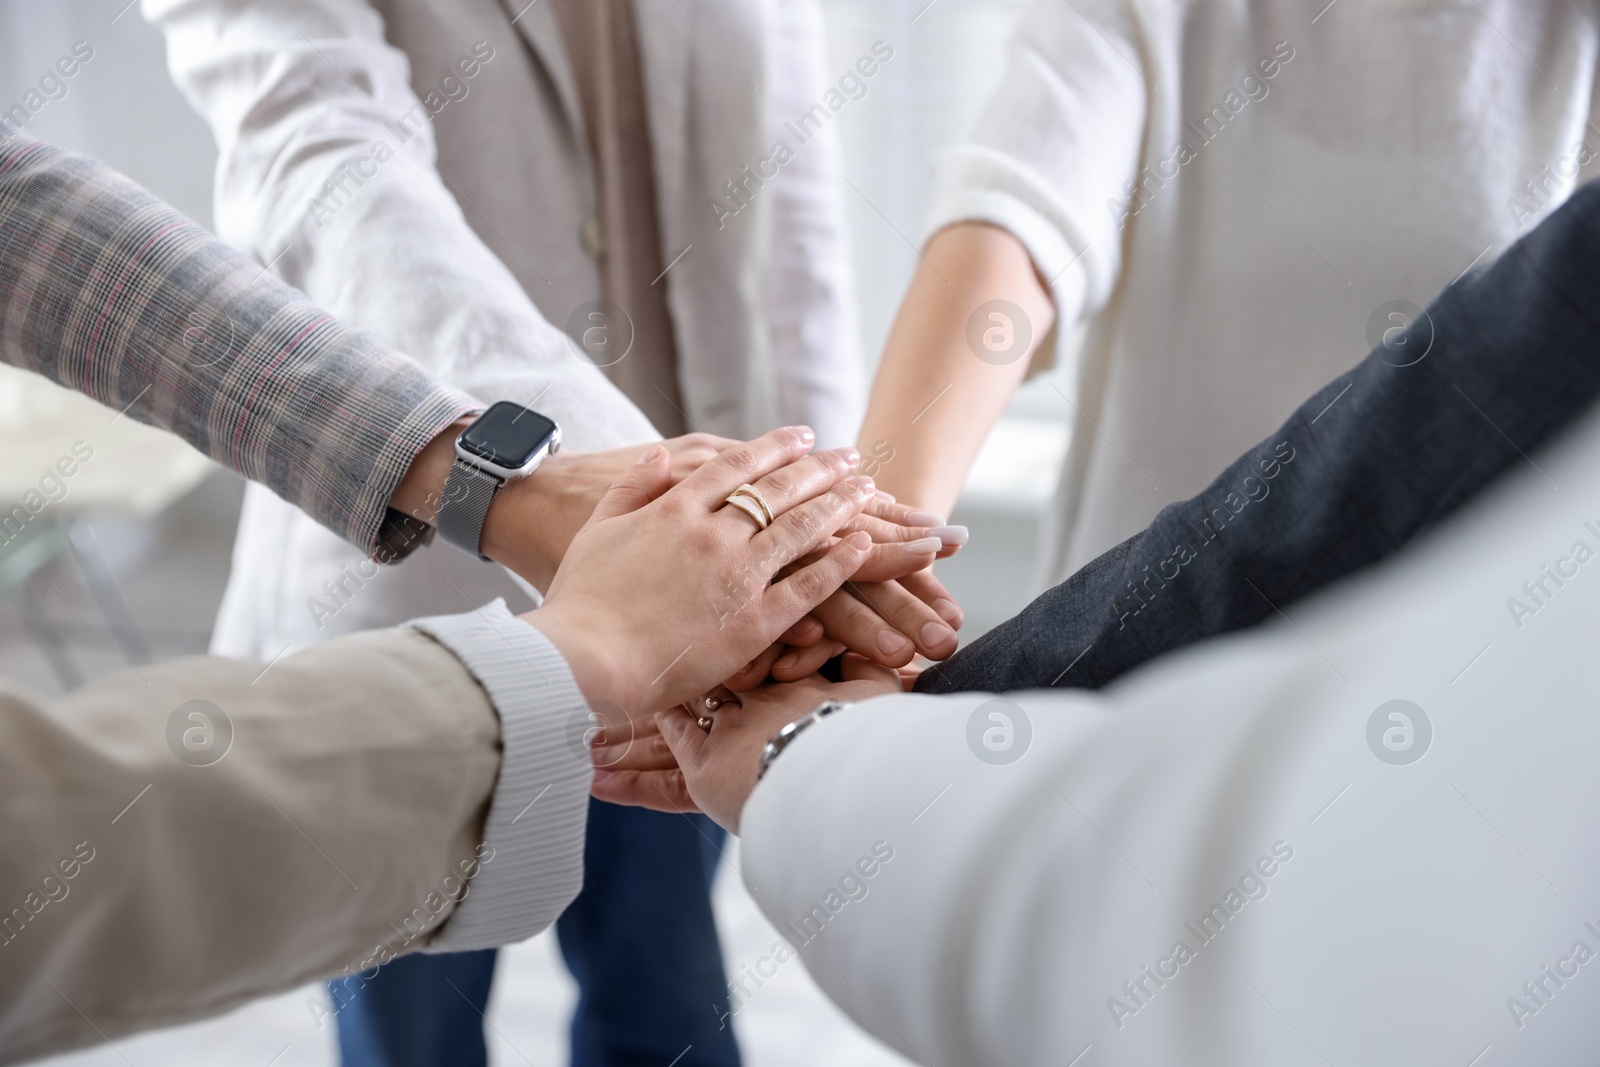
pixel 934 399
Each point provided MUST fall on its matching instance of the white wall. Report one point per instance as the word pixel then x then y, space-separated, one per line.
pixel 121 106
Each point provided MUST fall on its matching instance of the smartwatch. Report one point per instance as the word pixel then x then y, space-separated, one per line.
pixel 505 443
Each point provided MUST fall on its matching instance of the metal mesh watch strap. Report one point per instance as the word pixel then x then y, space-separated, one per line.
pixel 468 492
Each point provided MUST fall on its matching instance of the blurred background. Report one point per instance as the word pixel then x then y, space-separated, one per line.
pixel 131 565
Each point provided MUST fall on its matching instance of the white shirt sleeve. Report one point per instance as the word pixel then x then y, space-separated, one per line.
pixel 302 97
pixel 531 859
pixel 812 322
pixel 1363 837
pixel 1056 141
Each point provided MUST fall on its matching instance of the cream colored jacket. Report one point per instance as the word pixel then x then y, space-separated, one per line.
pixel 457 228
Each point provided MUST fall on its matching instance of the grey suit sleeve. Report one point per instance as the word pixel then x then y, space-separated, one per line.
pixel 1364 466
pixel 106 290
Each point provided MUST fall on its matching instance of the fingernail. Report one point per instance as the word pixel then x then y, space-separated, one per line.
pixel 851 457
pixel 653 455
pixel 804 434
pixel 746 669
pixel 787 660
pixel 951 535
pixel 923 518
pixel 860 540
pixel 886 496
pixel 922 546
pixel 861 485
pixel 891 643
pixel 948 610
pixel 935 634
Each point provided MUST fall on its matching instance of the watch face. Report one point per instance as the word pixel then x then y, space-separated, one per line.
pixel 508 435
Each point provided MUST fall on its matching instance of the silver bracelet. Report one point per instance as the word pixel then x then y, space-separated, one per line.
pixel 787 735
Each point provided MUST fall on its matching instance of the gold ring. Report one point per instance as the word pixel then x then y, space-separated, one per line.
pixel 755 494
pixel 713 702
pixel 750 508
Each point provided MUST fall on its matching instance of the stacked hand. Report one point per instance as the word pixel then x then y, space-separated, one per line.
pixel 662 591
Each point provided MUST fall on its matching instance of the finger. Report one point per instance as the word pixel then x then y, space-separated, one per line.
pixel 745 462
pixel 798 663
pixel 686 740
pixel 661 790
pixel 803 528
pixel 645 750
pixel 902 514
pixel 640 484
pixel 927 588
pixel 803 634
pixel 755 672
pixel 806 477
pixel 860 669
pixel 801 592
pixel 888 562
pixel 909 615
pixel 852 623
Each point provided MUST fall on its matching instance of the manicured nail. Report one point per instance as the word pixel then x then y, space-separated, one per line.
pixel 653 455
pixel 923 518
pixel 804 434
pixel 951 535
pixel 787 660
pixel 886 496
pixel 935 634
pixel 852 458
pixel 922 546
pixel 891 643
pixel 861 485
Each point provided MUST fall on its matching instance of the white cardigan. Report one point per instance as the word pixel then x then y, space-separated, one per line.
pixel 1332 163
pixel 1331 906
pixel 463 244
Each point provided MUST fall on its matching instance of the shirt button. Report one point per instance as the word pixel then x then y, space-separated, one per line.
pixel 592 236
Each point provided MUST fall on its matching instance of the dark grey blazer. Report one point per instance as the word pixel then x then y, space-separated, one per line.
pixel 1363 467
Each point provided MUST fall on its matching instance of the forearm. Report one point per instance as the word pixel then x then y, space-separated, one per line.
pixel 1362 468
pixel 338 187
pixel 110 292
pixel 935 398
pixel 280 833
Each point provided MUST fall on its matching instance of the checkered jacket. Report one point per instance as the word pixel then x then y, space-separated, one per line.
pixel 108 291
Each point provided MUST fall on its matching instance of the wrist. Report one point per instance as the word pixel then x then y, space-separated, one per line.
pixel 518 530
pixel 422 487
pixel 586 640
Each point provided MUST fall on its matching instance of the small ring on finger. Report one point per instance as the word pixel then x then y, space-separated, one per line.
pixel 712 701
pixel 748 490
pixel 749 507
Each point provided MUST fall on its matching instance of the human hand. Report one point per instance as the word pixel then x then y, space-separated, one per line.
pixel 717 769
pixel 533 520
pixel 632 606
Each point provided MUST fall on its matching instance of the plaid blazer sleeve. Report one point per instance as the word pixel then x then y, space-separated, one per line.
pixel 106 290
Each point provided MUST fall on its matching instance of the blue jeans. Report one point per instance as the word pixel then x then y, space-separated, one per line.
pixel 639 939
